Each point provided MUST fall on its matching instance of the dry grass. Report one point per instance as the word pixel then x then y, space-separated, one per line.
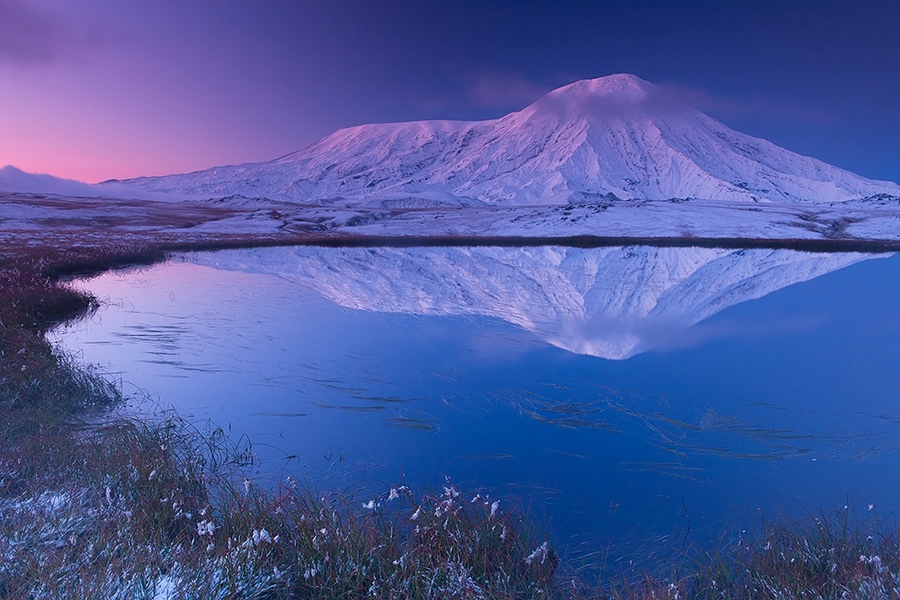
pixel 824 557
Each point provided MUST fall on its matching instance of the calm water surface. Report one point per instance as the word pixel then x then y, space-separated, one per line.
pixel 623 394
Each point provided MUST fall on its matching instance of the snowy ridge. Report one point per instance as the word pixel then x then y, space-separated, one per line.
pixel 616 137
pixel 607 302
pixel 17 181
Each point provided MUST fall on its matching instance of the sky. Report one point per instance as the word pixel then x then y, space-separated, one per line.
pixel 101 89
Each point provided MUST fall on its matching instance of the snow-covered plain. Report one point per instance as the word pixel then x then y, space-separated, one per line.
pixel 862 220
pixel 37 219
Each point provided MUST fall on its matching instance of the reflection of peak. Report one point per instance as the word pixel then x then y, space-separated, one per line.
pixel 606 302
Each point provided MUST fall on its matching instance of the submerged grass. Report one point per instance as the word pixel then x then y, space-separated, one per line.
pixel 94 504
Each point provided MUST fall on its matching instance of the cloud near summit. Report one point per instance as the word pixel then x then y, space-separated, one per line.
pixel 503 90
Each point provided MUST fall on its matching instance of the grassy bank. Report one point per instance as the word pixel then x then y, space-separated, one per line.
pixel 94 504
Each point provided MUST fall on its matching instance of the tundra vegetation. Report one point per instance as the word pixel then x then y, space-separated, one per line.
pixel 95 503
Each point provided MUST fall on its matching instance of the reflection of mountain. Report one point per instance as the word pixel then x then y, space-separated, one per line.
pixel 607 302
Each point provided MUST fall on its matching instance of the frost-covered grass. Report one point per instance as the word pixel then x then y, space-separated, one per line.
pixel 827 557
pixel 144 508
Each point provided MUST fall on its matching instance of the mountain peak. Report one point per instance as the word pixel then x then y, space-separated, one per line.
pixel 621 87
pixel 610 96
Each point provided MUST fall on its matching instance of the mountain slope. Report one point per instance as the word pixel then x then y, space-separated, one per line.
pixel 613 137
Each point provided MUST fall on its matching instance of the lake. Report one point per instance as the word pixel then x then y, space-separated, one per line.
pixel 634 398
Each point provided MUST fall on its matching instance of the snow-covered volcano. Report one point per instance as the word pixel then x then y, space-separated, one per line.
pixel 599 139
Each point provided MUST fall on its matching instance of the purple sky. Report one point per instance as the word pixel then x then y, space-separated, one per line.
pixel 100 89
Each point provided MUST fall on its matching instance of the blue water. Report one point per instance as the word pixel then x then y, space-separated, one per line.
pixel 780 404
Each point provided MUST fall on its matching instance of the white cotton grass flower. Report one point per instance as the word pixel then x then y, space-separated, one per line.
pixel 370 505
pixel 443 508
pixel 261 536
pixel 393 495
pixel 494 507
pixel 152 475
pixel 416 514
pixel 540 553
pixel 206 528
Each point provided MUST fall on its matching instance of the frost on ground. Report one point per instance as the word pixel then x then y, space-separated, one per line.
pixel 49 221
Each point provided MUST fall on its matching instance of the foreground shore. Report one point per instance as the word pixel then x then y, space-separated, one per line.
pixel 95 504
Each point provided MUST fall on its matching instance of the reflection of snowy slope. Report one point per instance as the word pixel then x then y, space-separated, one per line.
pixel 616 135
pixel 606 302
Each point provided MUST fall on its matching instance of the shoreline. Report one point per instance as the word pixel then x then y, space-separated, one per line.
pixel 575 241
